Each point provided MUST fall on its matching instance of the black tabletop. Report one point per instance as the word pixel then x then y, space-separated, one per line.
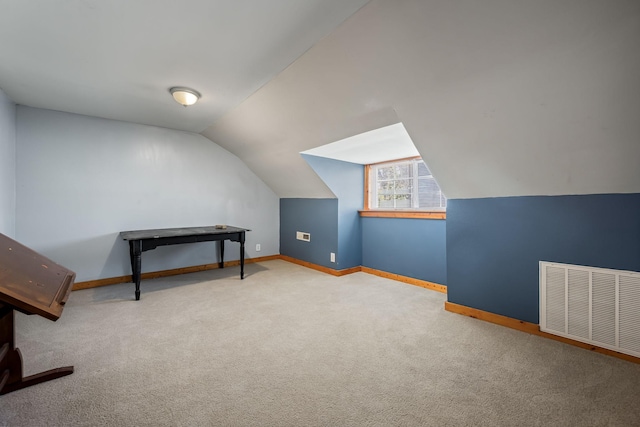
pixel 177 232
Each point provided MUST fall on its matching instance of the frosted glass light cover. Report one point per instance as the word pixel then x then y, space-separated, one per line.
pixel 185 96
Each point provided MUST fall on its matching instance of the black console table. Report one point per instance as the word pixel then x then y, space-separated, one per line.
pixel 146 240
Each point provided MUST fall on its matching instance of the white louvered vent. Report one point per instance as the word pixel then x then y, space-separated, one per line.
pixel 593 305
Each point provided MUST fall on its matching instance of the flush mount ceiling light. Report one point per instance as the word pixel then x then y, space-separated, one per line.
pixel 184 95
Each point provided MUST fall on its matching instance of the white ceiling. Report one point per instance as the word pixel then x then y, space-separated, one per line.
pixel 117 59
pixel 379 145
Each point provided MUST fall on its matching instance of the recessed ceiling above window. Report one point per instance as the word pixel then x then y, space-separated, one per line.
pixel 379 145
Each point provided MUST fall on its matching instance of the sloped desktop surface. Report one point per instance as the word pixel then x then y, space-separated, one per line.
pixel 32 283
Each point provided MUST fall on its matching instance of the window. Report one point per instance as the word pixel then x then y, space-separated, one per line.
pixel 404 185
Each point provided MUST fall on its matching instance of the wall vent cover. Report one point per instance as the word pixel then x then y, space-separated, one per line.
pixel 594 305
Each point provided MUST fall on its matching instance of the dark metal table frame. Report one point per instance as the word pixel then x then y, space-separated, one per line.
pixel 146 240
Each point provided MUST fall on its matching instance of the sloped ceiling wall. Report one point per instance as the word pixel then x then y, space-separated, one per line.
pixel 501 97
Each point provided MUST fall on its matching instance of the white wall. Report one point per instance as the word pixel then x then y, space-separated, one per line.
pixel 7 165
pixel 81 180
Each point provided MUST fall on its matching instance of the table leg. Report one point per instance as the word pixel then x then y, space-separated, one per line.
pixel 131 254
pixel 221 264
pixel 135 250
pixel 242 255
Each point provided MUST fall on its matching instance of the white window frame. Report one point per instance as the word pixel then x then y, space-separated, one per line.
pixel 372 188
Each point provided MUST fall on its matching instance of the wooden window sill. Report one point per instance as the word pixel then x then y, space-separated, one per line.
pixel 403 214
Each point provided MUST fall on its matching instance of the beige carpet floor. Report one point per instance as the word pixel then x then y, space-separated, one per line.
pixel 290 346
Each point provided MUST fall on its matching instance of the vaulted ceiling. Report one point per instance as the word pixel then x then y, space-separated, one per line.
pixel 501 97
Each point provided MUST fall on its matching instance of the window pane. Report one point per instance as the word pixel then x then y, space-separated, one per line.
pixel 403 201
pixel 397 187
pixel 385 172
pixel 429 194
pixel 403 185
pixel 385 201
pixel 385 187
pixel 403 171
pixel 427 185
pixel 423 170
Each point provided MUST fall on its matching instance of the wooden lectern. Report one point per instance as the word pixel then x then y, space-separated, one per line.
pixel 31 284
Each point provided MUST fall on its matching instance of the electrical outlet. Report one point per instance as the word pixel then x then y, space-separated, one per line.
pixel 333 257
pixel 257 247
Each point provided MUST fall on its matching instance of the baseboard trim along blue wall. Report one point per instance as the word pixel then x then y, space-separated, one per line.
pixel 494 245
pixel 410 247
pixel 319 218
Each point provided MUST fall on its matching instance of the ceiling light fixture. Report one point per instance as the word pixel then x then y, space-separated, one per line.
pixel 184 95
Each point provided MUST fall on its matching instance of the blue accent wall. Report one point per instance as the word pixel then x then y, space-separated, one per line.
pixel 409 247
pixel 346 181
pixel 318 217
pixel 494 245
